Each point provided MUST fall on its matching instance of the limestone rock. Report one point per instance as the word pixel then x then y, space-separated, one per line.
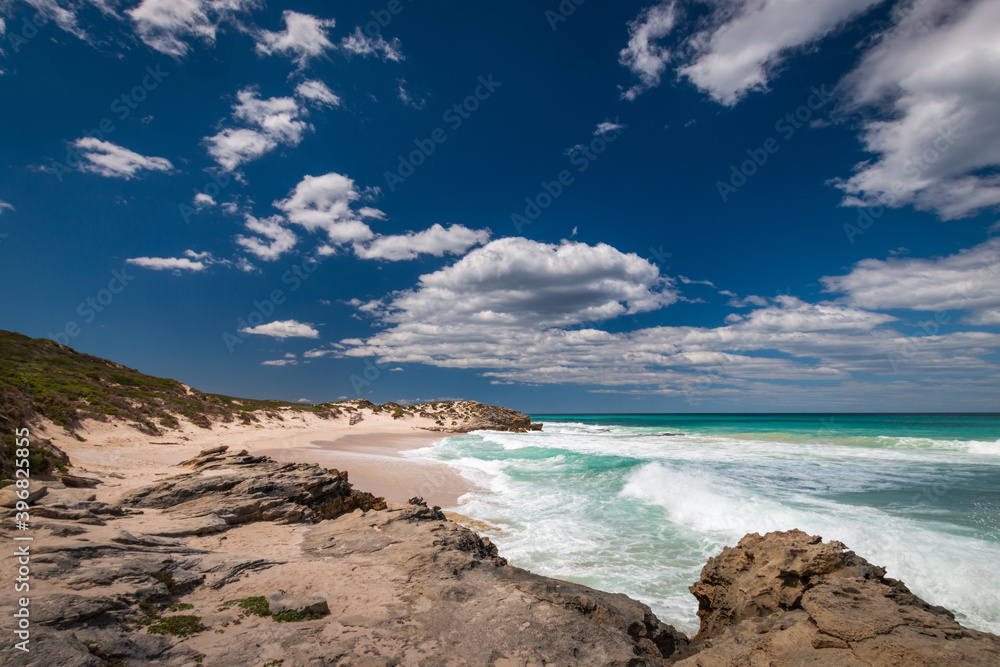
pixel 313 604
pixel 244 489
pixel 789 598
pixel 9 497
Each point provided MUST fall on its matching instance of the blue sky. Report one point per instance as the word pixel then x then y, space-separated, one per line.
pixel 650 207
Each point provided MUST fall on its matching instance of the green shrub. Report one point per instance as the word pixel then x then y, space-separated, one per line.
pixel 292 616
pixel 178 626
pixel 256 605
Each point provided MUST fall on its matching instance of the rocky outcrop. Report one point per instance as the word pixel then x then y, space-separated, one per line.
pixel 246 488
pixel 467 416
pixel 791 599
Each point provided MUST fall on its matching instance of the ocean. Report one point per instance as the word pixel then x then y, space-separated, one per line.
pixel 636 504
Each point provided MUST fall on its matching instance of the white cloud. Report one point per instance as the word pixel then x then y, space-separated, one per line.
pixel 272 122
pixel 202 200
pixel 191 261
pixel 233 147
pixel 176 264
pixel 519 282
pixel 793 341
pixel 607 126
pixel 357 43
pixel 643 56
pixel 512 310
pixel 749 300
pixel 111 160
pixel 749 39
pixel 280 362
pixel 304 38
pixel 280 239
pixel 166 25
pixel 318 92
pixel 283 329
pixel 968 280
pixel 406 97
pixel 4 206
pixel 437 241
pixel 929 90
pixel 791 315
pixel 327 203
pixel 984 318
pixel 63 14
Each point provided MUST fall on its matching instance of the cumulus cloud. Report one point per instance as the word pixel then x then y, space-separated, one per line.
pixel 279 239
pixel 272 122
pixel 749 39
pixel 519 282
pixel 318 92
pixel 968 280
pixel 327 203
pixel 267 123
pixel 113 161
pixel 516 310
pixel 789 314
pixel 792 342
pixel 643 56
pixel 929 89
pixel 202 200
pixel 357 43
pixel 436 240
pixel 304 38
pixel 167 25
pixel 283 329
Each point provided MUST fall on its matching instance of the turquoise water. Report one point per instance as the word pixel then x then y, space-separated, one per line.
pixel 637 503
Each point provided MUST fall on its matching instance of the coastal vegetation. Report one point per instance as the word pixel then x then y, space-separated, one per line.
pixel 42 379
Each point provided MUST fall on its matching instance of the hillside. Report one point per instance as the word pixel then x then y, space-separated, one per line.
pixel 43 380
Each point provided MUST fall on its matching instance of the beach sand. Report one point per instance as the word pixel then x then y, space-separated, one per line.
pixel 371 452
pixel 375 463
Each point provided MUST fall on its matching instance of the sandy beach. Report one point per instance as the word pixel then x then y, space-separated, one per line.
pixel 375 464
pixel 370 451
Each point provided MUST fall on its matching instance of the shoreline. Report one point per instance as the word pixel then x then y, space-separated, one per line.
pixel 370 452
pixel 374 463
